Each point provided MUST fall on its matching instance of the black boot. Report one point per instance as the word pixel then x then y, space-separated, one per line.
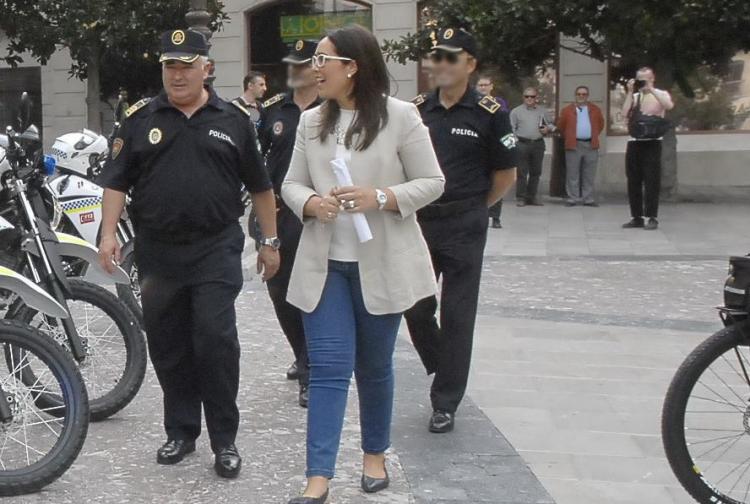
pixel 442 422
pixel 173 451
pixel 228 462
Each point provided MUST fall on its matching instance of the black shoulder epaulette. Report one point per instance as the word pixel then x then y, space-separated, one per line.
pixel 274 99
pixel 419 99
pixel 241 106
pixel 489 104
pixel 137 106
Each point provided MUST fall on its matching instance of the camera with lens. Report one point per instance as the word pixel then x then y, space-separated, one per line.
pixel 640 84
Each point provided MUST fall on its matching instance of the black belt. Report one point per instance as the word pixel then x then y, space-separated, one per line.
pixel 583 139
pixel 529 140
pixel 438 210
pixel 179 238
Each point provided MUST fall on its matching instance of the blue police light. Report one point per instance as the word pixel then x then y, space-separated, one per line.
pixel 49 165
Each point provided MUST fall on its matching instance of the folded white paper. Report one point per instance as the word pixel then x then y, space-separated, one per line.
pixel 344 178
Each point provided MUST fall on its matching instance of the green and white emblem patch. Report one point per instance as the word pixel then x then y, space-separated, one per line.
pixel 509 141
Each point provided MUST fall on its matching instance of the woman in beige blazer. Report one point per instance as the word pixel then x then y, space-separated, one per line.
pixel 353 291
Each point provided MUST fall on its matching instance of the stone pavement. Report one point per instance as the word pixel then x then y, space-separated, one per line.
pixel 581 327
pixel 474 465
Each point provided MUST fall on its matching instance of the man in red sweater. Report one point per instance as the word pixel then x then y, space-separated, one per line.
pixel 580 124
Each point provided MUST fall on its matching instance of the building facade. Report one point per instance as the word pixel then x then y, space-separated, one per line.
pixel 711 161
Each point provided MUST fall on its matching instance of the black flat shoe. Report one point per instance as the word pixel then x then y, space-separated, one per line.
pixel 372 485
pixel 304 395
pixel 173 451
pixel 228 462
pixel 633 223
pixel 651 224
pixel 310 500
pixel 442 422
pixel 293 372
pixel 496 224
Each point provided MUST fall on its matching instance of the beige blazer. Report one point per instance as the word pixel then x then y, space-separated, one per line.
pixel 394 267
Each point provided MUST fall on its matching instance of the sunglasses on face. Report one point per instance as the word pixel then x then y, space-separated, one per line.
pixel 439 56
pixel 529 96
pixel 320 60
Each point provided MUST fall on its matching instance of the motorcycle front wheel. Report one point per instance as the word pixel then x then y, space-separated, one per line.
pixel 115 362
pixel 40 441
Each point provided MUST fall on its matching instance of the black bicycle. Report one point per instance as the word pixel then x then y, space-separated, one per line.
pixel 706 414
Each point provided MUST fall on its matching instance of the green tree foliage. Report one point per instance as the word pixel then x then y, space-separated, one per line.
pixel 116 39
pixel 676 37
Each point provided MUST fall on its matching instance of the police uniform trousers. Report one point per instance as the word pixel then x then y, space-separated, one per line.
pixel 456 244
pixel 188 292
pixel 289 316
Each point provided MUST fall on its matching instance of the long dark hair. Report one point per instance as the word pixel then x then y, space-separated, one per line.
pixel 371 87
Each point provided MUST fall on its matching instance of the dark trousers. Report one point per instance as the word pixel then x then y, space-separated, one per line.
pixel 457 248
pixel 643 170
pixel 188 293
pixel 289 316
pixel 530 160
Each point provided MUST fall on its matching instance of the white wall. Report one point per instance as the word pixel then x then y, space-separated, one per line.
pixel 63 98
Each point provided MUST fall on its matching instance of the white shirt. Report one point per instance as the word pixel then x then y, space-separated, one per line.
pixel 344 240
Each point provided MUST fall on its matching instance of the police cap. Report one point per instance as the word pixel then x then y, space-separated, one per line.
pixel 182 45
pixel 301 52
pixel 455 40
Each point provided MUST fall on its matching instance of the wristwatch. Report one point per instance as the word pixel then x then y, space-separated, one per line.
pixel 382 198
pixel 272 242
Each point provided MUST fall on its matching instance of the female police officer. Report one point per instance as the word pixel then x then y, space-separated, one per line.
pixel 185 155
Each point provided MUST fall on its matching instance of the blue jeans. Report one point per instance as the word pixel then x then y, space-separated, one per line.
pixel 343 337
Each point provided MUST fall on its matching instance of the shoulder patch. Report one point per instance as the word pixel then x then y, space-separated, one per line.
pixel 274 99
pixel 240 106
pixel 137 106
pixel 419 99
pixel 489 104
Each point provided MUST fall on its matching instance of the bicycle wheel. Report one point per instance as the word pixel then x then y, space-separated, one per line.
pixel 115 362
pixel 131 294
pixel 706 419
pixel 36 446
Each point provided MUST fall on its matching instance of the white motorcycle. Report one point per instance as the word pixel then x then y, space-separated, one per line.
pixel 77 204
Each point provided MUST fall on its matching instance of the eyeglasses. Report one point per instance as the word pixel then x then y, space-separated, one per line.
pixel 529 96
pixel 320 60
pixel 439 56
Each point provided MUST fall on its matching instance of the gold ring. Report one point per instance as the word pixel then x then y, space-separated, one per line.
pixel 351 204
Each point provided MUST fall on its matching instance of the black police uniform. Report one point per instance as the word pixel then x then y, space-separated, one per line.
pixel 472 140
pixel 185 175
pixel 277 133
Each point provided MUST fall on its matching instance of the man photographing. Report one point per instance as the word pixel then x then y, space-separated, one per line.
pixel 643 155
pixel 184 155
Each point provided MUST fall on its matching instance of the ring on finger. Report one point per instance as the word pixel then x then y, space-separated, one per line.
pixel 351 204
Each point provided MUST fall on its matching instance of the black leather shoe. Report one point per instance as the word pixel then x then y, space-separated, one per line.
pixel 570 203
pixel 442 422
pixel 651 224
pixel 310 500
pixel 496 223
pixel 535 202
pixel 636 222
pixel 304 395
pixel 228 462
pixel 293 372
pixel 173 451
pixel 372 485
pixel 592 204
